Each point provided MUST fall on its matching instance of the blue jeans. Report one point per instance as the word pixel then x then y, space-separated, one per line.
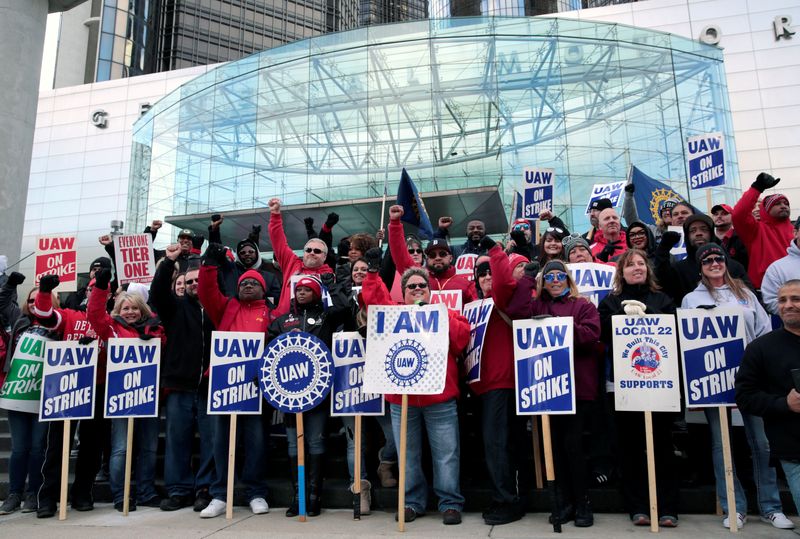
pixel 792 472
pixel 28 440
pixel 313 431
pixel 388 452
pixel 250 434
pixel 441 424
pixel 766 480
pixel 184 410
pixel 145 442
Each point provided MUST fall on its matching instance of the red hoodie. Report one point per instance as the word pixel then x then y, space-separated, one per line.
pixel 290 264
pixel 766 240
pixel 374 292
pixel 600 243
pixel 230 314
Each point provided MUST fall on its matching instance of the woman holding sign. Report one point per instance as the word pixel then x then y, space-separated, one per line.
pixel 130 318
pixel 557 295
pixel 718 288
pixel 637 292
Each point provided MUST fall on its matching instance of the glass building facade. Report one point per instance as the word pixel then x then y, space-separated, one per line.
pixel 499 8
pixel 128 38
pixel 386 11
pixel 463 104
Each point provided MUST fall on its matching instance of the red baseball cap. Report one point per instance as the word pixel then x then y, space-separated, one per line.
pixel 725 207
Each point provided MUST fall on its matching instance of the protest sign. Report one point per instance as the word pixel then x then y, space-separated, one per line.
pixel 537 191
pixel 133 254
pixel 326 296
pixel 233 372
pixel 296 372
pixel 68 384
pixel 611 191
pixel 132 374
pixel 465 265
pixel 705 156
pixel 348 395
pixel 645 363
pixel 712 345
pixel 408 349
pixel 22 388
pixel 594 281
pixel 478 314
pixel 452 299
pixel 543 366
pixel 679 251
pixel 57 255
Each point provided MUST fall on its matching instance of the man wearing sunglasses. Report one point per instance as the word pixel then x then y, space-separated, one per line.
pixel 315 251
pixel 184 362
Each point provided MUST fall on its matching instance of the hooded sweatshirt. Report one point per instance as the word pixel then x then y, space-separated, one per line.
pixel 780 271
pixel 756 319
pixel 766 240
pixel 232 270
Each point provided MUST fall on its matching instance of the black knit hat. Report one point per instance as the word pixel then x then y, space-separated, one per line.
pixel 556 265
pixel 601 204
pixel 710 249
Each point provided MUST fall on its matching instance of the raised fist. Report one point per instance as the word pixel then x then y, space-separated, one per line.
pixel 102 278
pixel 396 212
pixel 765 181
pixel 48 283
pixel 275 206
pixel 156 224
pixel 105 240
pixel 445 222
pixel 172 251
pixel 332 219
pixel 16 278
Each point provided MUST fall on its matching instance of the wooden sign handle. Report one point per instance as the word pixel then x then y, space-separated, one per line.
pixel 550 471
pixel 65 447
pixel 231 468
pixel 126 495
pixel 651 470
pixel 357 470
pixel 537 452
pixel 301 469
pixel 727 458
pixel 401 483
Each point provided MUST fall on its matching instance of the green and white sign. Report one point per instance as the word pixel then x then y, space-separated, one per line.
pixel 23 386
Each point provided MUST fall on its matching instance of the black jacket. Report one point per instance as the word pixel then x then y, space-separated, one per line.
pixel 311 318
pixel 656 302
pixel 762 384
pixel 188 329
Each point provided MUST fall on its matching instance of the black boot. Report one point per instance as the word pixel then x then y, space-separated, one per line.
pixel 314 471
pixel 566 510
pixel 293 509
pixel 583 514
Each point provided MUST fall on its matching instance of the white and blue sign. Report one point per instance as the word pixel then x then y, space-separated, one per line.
pixel 478 314
pixel 712 344
pixel 543 366
pixel 537 191
pixel 594 281
pixel 645 363
pixel 407 349
pixel 234 372
pixel 705 156
pixel 132 374
pixel 296 372
pixel 679 251
pixel 611 191
pixel 68 384
pixel 347 395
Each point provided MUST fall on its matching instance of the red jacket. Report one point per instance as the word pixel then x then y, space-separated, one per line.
pixel 600 243
pixel 766 240
pixel 497 360
pixel 72 325
pixel 229 314
pixel 374 292
pixel 289 262
pixel 447 280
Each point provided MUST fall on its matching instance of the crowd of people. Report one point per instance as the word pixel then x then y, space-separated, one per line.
pixel 746 256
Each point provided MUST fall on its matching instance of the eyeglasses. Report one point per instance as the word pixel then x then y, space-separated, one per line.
pixel 190 281
pixel 640 234
pixel 560 277
pixel 484 273
pixel 522 226
pixel 315 250
pixel 31 301
pixel 707 261
pixel 247 282
pixel 415 251
pixel 555 229
pixel 414 286
pixel 439 254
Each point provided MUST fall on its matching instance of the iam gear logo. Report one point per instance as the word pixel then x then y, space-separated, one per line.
pixel 660 196
pixel 646 361
pixel 406 363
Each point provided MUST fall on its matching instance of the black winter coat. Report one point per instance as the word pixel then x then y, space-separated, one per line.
pixel 656 302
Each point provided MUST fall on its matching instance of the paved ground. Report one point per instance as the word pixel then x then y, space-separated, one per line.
pixel 150 523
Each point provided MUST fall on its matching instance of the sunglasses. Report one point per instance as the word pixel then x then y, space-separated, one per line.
pixel 190 281
pixel 560 277
pixel 522 226
pixel 707 261
pixel 31 301
pixel 555 229
pixel 414 286
pixel 315 250
pixel 484 273
pixel 247 282
pixel 415 251
pixel 439 254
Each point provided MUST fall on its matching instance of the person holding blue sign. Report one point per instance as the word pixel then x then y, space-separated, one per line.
pixel 131 317
pixel 717 288
pixel 557 295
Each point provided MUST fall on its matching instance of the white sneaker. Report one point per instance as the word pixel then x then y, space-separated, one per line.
pixel 740 520
pixel 215 508
pixel 779 520
pixel 259 506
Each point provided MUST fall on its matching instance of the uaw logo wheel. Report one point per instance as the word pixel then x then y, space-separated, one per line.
pixel 646 361
pixel 296 372
pixel 406 363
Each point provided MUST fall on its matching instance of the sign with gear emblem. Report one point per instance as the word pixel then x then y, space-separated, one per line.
pixel 296 372
pixel 407 347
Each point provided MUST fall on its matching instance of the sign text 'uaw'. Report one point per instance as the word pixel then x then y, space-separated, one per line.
pixel 69 385
pixel 234 372
pixel 132 374
pixel 705 155
pixel 537 191
pixel 347 395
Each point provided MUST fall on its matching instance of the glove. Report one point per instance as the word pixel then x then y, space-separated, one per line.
pixel 519 237
pixel 102 278
pixel 327 279
pixel 608 251
pixel 669 240
pixel 373 257
pixel 197 241
pixel 343 248
pixel 332 219
pixel 16 278
pixel 487 243
pixel 420 303
pixel 633 307
pixel 532 269
pixel 630 188
pixel 540 317
pixel 215 255
pixel 145 336
pixel 85 340
pixel 309 222
pixel 48 283
pixel 706 307
pixel 764 181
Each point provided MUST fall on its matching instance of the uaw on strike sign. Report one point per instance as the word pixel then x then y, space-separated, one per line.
pixel 712 344
pixel 57 255
pixel 407 349
pixel 132 378
pixel 705 155
pixel 645 363
pixel 68 386
pixel 233 372
pixel 347 395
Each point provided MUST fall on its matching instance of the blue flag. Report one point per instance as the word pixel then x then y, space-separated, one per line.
pixel 415 212
pixel 650 194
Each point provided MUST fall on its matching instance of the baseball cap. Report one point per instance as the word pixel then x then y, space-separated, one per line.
pixel 601 204
pixel 725 207
pixel 438 243
pixel 186 232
